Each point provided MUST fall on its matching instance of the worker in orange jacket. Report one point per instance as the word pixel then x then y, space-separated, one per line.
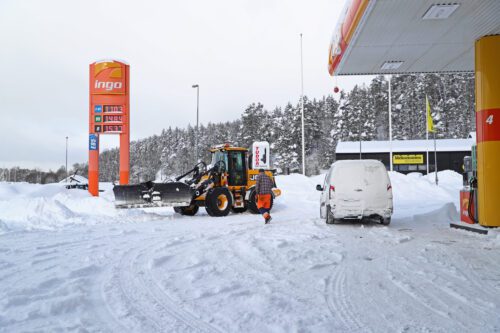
pixel 263 190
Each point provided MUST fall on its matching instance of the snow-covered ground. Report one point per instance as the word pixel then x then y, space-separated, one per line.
pixel 70 262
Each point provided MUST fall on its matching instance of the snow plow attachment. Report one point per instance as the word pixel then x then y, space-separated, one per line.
pixel 150 194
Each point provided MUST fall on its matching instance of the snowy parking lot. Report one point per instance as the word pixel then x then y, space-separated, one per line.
pixel 71 262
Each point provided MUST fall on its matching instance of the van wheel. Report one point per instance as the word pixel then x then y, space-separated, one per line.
pixel 386 221
pixel 218 202
pixel 329 216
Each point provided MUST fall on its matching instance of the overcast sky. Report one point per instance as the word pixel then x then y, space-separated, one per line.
pixel 238 51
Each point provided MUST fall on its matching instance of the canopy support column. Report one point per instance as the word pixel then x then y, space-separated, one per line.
pixel 487 70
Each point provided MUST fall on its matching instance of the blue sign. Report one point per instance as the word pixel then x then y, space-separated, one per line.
pixel 97 108
pixel 93 142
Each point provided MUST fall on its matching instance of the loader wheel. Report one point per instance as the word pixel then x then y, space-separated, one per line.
pixel 218 201
pixel 252 203
pixel 188 210
pixel 239 210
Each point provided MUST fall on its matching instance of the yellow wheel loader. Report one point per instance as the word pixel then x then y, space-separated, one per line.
pixel 226 184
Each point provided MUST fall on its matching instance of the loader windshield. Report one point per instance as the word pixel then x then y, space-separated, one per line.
pixel 219 156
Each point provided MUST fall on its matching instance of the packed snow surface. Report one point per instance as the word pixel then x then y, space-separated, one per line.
pixel 71 262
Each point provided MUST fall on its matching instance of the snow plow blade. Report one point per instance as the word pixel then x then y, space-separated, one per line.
pixel 150 194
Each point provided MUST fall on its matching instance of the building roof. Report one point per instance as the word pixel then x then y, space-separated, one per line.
pixel 75 179
pixel 410 36
pixel 404 146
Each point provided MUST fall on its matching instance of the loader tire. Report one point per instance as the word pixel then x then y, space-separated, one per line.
pixel 239 210
pixel 218 201
pixel 188 210
pixel 252 203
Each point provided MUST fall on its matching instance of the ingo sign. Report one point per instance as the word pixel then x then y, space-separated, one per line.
pixel 108 114
pixel 109 78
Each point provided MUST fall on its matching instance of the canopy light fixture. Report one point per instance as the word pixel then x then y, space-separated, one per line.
pixel 440 11
pixel 391 65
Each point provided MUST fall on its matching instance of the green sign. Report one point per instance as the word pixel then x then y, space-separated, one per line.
pixel 98 119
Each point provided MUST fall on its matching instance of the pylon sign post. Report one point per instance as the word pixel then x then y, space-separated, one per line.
pixel 109 113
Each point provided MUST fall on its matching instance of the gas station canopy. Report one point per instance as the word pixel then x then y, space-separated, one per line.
pixel 410 36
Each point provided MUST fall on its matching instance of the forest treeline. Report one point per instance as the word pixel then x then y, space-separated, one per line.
pixel 361 113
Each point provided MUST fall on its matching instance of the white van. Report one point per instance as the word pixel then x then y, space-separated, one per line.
pixel 356 189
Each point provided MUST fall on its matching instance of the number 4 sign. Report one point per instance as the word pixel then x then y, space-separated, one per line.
pixel 489 120
pixel 487 128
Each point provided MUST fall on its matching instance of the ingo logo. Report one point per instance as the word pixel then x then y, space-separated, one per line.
pixel 108 77
pixel 107 85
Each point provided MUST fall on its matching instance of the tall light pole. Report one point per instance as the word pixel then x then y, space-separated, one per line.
pixel 359 134
pixel 390 124
pixel 66 159
pixel 302 108
pixel 197 116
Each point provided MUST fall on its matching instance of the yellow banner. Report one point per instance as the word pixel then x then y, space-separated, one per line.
pixel 408 159
pixel 430 123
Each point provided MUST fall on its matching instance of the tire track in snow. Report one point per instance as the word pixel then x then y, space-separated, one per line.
pixel 163 297
pixel 423 291
pixel 143 299
pixel 338 302
pixel 469 277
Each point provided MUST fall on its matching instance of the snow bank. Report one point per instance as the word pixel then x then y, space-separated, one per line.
pixel 414 193
pixel 26 206
pixel 297 189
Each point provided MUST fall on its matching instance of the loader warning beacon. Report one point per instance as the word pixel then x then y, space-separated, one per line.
pixel 109 113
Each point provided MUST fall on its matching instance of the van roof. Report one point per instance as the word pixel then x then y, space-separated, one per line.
pixel 364 162
pixel 405 146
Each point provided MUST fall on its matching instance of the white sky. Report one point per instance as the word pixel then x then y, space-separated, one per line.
pixel 238 51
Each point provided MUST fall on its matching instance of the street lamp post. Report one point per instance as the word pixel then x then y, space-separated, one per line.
pixel 391 166
pixel 197 116
pixel 66 159
pixel 302 108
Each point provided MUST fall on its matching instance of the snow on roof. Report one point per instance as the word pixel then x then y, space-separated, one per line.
pixel 349 147
pixel 75 179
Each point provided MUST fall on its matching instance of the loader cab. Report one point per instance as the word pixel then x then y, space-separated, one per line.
pixel 235 162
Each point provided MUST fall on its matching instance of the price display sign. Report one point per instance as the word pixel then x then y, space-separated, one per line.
pixel 113 108
pixel 114 115
pixel 113 119
pixel 112 129
pixel 108 114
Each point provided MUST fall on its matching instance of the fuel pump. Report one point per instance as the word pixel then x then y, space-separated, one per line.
pixel 468 194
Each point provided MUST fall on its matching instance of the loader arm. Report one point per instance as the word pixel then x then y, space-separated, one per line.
pixel 196 171
pixel 213 176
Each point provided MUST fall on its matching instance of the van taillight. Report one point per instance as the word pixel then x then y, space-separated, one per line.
pixel 389 187
pixel 332 188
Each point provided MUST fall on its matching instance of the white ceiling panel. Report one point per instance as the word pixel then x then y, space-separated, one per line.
pixel 394 30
